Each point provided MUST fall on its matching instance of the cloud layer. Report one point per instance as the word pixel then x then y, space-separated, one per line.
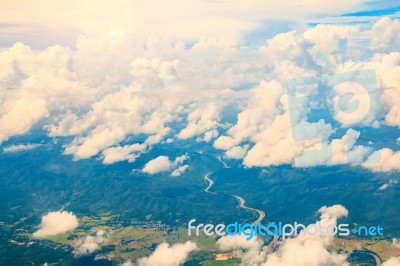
pixel 117 84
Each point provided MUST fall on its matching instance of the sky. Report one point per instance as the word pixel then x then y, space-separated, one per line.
pixel 44 22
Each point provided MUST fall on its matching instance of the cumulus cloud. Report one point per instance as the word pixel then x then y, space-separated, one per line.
pixel 200 121
pixel 157 165
pixel 284 46
pixel 180 170
pixel 164 164
pixel 181 159
pixel 383 160
pixel 136 110
pixel 19 115
pixel 267 123
pixel 311 250
pixel 54 223
pixel 127 152
pixel 338 151
pixel 275 144
pixel 387 70
pixel 263 106
pixel 209 135
pixel 166 255
pixel 20 147
pixel 89 244
pixel 302 250
pixel 36 86
pixel 384 35
pixel 237 152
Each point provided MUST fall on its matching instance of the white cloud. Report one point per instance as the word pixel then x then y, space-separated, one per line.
pixel 262 107
pixel 152 73
pixel 224 143
pixel 164 164
pixel 136 110
pixel 237 152
pixel 20 114
pixel 54 223
pixel 338 151
pixel 20 147
pixel 237 242
pixel 284 46
pixel 200 120
pixel 36 86
pixel 127 152
pixel 302 250
pixel 180 170
pixel 268 122
pixel 157 138
pixel 310 250
pixel 392 262
pixel 166 255
pixel 209 135
pixel 181 159
pixel 115 116
pixel 364 114
pixel 387 69
pixel 157 165
pixel 384 35
pixel 324 40
pixel 383 160
pixel 98 140
pixel 384 186
pixel 329 215
pixel 388 184
pixel 89 244
pixel 275 145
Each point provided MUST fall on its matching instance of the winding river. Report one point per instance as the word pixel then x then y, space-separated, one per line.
pixel 209 181
pixel 242 202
